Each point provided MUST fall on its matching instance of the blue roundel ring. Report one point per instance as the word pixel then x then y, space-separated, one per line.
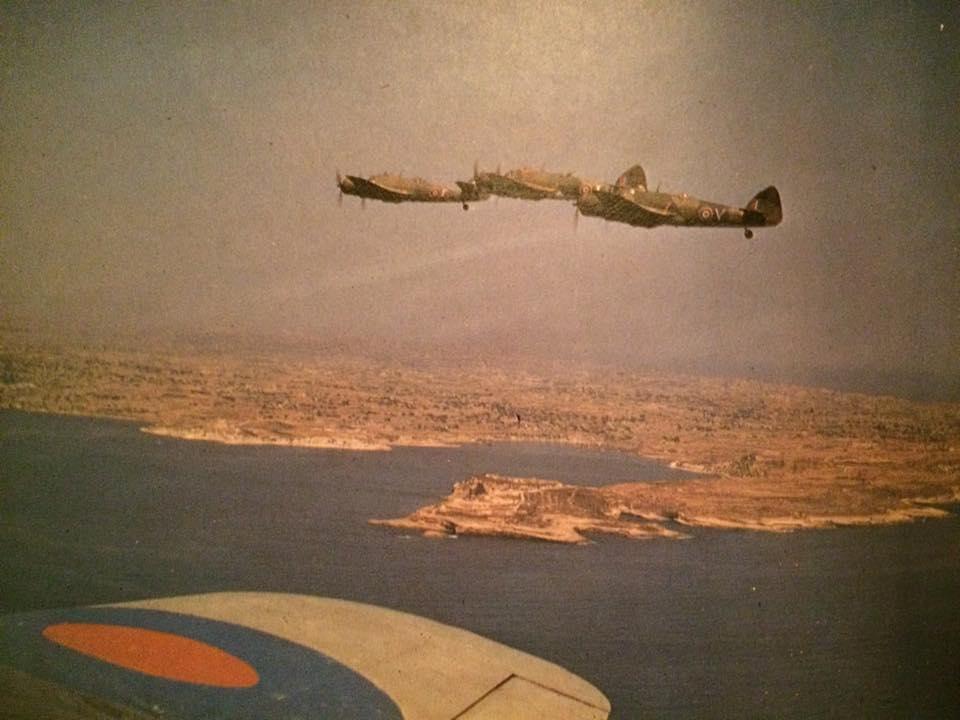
pixel 290 680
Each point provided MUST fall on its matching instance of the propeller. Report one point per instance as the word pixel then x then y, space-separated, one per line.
pixel 340 188
pixel 576 217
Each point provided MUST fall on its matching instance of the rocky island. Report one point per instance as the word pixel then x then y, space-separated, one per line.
pixel 534 509
pixel 550 510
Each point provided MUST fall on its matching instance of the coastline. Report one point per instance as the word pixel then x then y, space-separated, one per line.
pixel 538 509
pixel 769 457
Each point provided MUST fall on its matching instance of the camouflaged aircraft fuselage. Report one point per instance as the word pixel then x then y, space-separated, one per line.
pixel 395 188
pixel 640 207
pixel 531 184
pixel 627 200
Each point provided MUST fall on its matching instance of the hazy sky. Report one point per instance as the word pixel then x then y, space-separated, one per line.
pixel 171 167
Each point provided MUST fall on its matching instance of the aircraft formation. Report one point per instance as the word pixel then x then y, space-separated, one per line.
pixel 628 200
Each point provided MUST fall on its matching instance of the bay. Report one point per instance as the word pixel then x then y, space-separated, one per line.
pixel 838 623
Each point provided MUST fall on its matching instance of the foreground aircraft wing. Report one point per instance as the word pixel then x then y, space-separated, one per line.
pixel 270 655
pixel 377 191
pixel 621 209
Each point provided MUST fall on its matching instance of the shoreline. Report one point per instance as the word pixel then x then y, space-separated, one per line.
pixel 536 509
pixel 766 457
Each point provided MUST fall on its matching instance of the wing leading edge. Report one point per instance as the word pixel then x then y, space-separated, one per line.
pixel 620 209
pixel 376 191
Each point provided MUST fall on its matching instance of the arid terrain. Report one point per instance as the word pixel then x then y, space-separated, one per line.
pixel 771 457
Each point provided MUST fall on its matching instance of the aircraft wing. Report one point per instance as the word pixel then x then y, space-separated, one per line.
pixel 524 189
pixel 253 655
pixel 620 209
pixel 378 191
pixel 535 186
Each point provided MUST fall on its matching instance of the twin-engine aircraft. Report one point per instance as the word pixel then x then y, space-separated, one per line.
pixel 530 184
pixel 627 200
pixel 394 188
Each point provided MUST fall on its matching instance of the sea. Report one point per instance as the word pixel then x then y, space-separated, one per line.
pixel 853 622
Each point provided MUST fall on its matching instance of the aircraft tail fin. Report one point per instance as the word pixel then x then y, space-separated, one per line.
pixel 764 208
pixel 470 191
pixel 635 177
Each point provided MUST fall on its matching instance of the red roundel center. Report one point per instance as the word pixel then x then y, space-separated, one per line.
pixel 156 653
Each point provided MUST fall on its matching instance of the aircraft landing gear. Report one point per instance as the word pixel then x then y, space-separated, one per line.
pixel 466 207
pixel 748 234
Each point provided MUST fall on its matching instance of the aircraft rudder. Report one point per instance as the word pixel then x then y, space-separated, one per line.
pixel 767 203
pixel 633 177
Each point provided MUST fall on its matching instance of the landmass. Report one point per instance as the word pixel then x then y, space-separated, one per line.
pixel 549 510
pixel 534 509
pixel 770 456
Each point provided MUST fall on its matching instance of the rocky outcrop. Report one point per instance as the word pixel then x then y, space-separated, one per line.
pixel 549 510
pixel 531 508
